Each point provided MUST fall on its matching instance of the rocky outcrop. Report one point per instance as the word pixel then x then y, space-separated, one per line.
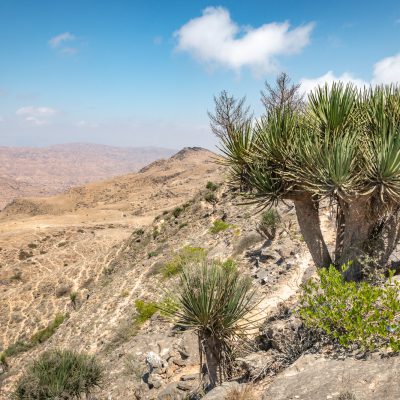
pixel 313 377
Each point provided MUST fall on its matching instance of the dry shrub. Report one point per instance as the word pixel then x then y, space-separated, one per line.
pixel 243 392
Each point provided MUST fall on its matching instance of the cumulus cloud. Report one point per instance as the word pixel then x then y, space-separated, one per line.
pixel 385 71
pixel 36 115
pixel 60 39
pixel 216 40
pixel 309 84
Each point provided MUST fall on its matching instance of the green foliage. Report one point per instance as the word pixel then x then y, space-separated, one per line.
pixel 151 254
pixel 187 255
pixel 210 197
pixel 177 212
pixel 212 186
pixel 139 232
pixel 218 226
pixel 73 297
pixel 59 374
pixel 353 313
pixel 229 265
pixel 212 302
pixel 39 337
pixel 3 359
pixel 45 333
pixel 270 219
pixel 145 310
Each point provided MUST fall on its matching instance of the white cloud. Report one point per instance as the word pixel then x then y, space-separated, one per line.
pixel 36 115
pixel 60 39
pixel 387 70
pixel 384 71
pixel 215 39
pixel 86 124
pixel 309 84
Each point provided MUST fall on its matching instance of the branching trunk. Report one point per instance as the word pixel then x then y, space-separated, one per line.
pixel 359 224
pixel 309 222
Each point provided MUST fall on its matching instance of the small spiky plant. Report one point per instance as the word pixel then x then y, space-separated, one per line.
pixel 59 374
pixel 214 302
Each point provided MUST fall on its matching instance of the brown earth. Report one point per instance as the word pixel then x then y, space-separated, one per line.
pixel 30 171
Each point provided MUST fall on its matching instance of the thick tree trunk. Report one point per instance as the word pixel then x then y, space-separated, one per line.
pixel 340 226
pixel 359 224
pixel 309 222
pixel 212 359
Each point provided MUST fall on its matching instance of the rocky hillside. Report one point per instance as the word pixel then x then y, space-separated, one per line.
pixel 112 264
pixel 30 171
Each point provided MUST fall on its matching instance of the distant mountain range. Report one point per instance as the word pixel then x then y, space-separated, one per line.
pixel 35 171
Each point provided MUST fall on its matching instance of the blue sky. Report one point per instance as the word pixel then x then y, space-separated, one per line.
pixel 137 73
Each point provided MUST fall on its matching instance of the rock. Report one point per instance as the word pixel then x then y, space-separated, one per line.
pixel 186 386
pixel 155 381
pixel 179 362
pixel 246 242
pixel 153 361
pixel 171 392
pixel 220 392
pixel 277 334
pixel 259 364
pixel 313 377
pixel 190 377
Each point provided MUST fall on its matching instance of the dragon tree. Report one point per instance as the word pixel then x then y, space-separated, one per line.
pixel 338 147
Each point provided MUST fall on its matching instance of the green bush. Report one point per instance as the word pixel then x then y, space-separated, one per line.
pixel 270 219
pixel 145 310
pixel 139 232
pixel 351 312
pixel 59 374
pixel 42 335
pixel 229 265
pixel 218 226
pixel 187 255
pixel 211 186
pixel 39 337
pixel 177 212
pixel 210 197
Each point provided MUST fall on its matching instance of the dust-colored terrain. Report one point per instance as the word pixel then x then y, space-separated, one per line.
pixel 30 171
pixel 108 242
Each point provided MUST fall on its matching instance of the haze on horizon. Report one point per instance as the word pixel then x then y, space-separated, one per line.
pixel 143 73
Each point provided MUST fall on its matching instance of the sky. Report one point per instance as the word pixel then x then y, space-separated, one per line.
pixel 144 73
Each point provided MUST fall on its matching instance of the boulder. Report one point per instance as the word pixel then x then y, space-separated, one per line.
pixel 313 377
pixel 172 392
pixel 220 392
pixel 259 364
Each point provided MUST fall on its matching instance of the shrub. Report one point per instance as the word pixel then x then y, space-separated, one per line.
pixel 43 334
pixel 145 310
pixel 211 186
pixel 229 265
pixel 270 218
pixel 151 254
pixel 243 392
pixel 353 313
pixel 218 226
pixel 186 255
pixel 73 297
pixel 212 302
pixel 347 396
pixel 59 374
pixel 177 212
pixel 210 197
pixel 139 232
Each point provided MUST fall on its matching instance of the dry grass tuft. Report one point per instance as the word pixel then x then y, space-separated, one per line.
pixel 246 392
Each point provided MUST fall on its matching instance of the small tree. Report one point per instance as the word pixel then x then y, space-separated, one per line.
pixel 213 301
pixel 341 147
